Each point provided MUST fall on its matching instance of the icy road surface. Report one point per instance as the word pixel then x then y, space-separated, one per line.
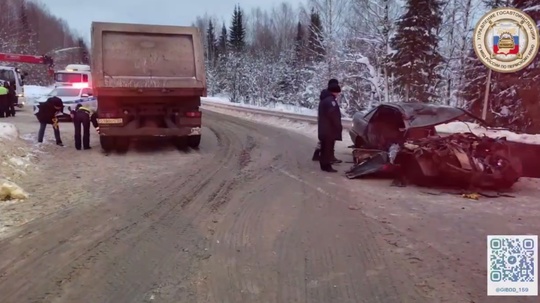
pixel 247 218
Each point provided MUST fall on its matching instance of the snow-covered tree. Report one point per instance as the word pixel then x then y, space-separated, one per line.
pixel 416 62
pixel 237 30
pixel 380 51
pixel 28 28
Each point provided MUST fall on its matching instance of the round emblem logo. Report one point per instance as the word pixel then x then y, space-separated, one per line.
pixel 506 40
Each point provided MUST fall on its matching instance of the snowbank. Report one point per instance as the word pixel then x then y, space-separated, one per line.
pixel 15 159
pixel 461 127
pixel 278 107
pixel 8 131
pixel 453 127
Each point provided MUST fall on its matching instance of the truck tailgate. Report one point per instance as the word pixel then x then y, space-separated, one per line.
pixel 146 56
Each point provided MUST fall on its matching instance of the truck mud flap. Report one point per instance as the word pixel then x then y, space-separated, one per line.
pixel 195 131
pixel 374 164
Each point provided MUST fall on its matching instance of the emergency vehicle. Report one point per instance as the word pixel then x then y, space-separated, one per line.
pixel 77 93
pixel 14 76
pixel 11 74
pixel 73 74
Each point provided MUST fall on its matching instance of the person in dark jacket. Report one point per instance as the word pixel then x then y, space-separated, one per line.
pixel 329 127
pixel 47 114
pixel 324 94
pixel 82 117
pixel 4 99
pixel 12 97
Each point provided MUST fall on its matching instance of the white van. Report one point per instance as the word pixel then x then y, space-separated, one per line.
pixel 74 73
pixel 14 75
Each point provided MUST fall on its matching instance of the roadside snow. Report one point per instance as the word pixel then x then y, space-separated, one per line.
pixel 15 159
pixel 8 131
pixel 449 128
pixel 461 127
pixel 34 92
pixel 278 107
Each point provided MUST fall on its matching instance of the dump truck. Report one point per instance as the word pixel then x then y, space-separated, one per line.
pixel 148 81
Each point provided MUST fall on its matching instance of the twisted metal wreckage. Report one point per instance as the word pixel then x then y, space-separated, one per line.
pixel 462 160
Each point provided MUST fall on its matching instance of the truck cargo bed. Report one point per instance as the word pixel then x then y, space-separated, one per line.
pixel 138 56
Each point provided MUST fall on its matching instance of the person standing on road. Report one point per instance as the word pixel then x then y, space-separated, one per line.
pixel 329 127
pixel 12 97
pixel 82 117
pixel 47 114
pixel 4 99
pixel 324 94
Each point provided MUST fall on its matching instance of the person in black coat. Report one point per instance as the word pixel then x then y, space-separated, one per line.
pixel 47 114
pixel 12 99
pixel 82 117
pixel 4 100
pixel 324 94
pixel 329 127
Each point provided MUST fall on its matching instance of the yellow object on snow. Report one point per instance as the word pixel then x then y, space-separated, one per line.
pixel 472 196
pixel 11 191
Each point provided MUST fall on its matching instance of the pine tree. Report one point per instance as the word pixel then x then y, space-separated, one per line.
pixel 237 30
pixel 83 51
pixel 416 61
pixel 299 43
pixel 315 38
pixel 26 31
pixel 530 75
pixel 526 83
pixel 222 41
pixel 211 42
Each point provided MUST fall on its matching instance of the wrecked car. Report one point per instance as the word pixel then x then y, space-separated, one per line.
pixel 400 140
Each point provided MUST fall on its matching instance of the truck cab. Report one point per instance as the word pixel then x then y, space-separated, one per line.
pixel 72 74
pixel 15 76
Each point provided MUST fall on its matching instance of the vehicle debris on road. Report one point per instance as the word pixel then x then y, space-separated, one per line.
pixel 459 160
pixel 400 140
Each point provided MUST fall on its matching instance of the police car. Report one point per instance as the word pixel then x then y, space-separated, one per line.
pixel 78 93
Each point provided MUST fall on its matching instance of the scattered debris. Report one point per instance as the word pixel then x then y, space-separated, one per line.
pixel 458 160
pixel 472 196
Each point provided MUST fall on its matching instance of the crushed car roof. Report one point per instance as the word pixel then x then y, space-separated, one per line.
pixel 422 114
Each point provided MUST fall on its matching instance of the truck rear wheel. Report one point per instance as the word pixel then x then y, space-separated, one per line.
pixel 107 143
pixel 122 144
pixel 180 142
pixel 194 141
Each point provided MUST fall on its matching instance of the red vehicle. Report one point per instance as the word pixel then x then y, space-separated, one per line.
pixel 15 77
pixel 29 59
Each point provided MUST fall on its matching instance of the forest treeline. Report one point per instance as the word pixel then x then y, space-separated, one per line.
pixel 381 51
pixel 29 28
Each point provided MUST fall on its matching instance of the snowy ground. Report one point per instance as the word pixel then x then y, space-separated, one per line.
pixel 16 160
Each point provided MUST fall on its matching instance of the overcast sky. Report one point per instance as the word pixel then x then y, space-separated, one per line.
pixel 80 14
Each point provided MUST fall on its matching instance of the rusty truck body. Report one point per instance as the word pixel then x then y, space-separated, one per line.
pixel 148 81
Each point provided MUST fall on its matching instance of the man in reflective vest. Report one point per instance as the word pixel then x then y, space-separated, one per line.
pixel 82 117
pixel 4 105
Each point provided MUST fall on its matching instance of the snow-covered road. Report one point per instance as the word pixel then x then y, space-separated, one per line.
pixel 247 218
